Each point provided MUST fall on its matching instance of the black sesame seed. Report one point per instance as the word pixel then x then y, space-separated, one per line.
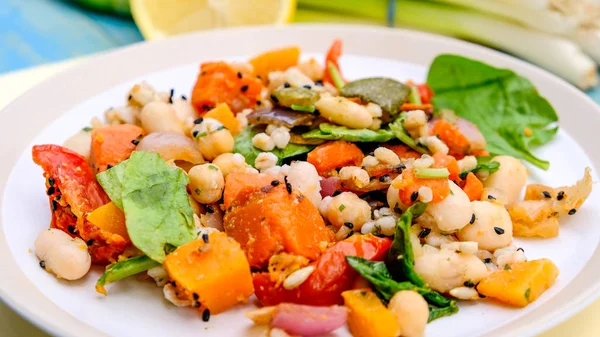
pixel 54 206
pixel 197 304
pixel 50 190
pixel 482 296
pixel 498 230
pixel 384 178
pixel 472 221
pixel 129 98
pixel 288 187
pixel 307 86
pixel 572 211
pixel 286 85
pixel 424 232
pixel 244 88
pixel 72 229
pixel 469 284
pixel 350 234
pixel 258 103
pixel 239 74
pixel 521 249
pixel 275 183
pixel 195 133
pixel 195 296
pixel 336 193
pixel 90 242
pixel 109 166
pixel 210 209
pixel 51 181
pixel 135 142
pixel 487 260
pixel 491 197
pixel 183 97
pixel 319 83
pixel 414 196
pixel 547 194
pixel 560 196
pixel 57 190
pixel 206 315
pixel 198 120
pixel 274 99
pixel 205 237
pixel 57 198
pixel 171 96
pixel 349 225
pixel 206 107
pixel 43 264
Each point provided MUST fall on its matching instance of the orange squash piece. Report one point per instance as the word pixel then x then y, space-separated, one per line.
pixel 111 219
pixel 336 154
pixel 411 184
pixel 443 160
pixel 368 317
pixel 457 143
pixel 223 114
pixel 218 83
pixel 113 144
pixel 239 186
pixel 403 151
pixel 520 283
pixel 273 220
pixel 217 272
pixel 275 60
pixel 472 186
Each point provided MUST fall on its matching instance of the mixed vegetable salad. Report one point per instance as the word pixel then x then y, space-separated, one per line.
pixel 372 202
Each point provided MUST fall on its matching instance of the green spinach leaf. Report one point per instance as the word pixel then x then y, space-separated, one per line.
pixel 111 181
pixel 483 164
pixel 501 103
pixel 389 94
pixel 335 132
pixel 401 258
pixel 243 145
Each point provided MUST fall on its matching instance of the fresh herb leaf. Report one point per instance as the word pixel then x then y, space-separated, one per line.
pixel 336 77
pixel 243 145
pixel 403 136
pixel 342 207
pixel 527 293
pixel 389 94
pixel 335 132
pixel 501 103
pixel 111 181
pixel 86 129
pixel 122 269
pixel 507 267
pixel 435 313
pixel 483 164
pixel 401 258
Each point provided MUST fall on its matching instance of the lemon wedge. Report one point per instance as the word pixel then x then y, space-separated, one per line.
pixel 158 19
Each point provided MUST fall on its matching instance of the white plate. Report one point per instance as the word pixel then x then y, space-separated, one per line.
pixel 59 107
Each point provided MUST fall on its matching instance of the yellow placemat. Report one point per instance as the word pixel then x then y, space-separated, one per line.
pixel 583 324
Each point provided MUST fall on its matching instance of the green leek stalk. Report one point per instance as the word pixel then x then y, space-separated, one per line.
pixel 557 54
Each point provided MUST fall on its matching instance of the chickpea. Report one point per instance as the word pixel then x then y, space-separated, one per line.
pixel 62 255
pixel 230 162
pixel 213 138
pixel 452 213
pixel 492 227
pixel 304 177
pixel 412 312
pixel 206 183
pixel 444 270
pixel 159 116
pixel 348 207
pixel 344 112
pixel 506 183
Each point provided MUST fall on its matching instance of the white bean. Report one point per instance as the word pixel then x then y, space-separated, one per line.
pixel 184 109
pixel 303 176
pixel 452 213
pixel 465 293
pixel 509 180
pixel 370 161
pixel 444 269
pixel 213 138
pixel 344 112
pixel 296 278
pixel 230 162
pixel 206 183
pixel 62 255
pixel 492 227
pixel 386 156
pixel 412 312
pixel 159 116
pixel 348 207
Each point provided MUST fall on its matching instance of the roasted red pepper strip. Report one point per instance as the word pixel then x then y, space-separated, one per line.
pixel 333 55
pixel 425 92
pixel 73 192
pixel 331 277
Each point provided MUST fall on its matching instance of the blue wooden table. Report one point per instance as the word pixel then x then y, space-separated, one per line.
pixel 34 32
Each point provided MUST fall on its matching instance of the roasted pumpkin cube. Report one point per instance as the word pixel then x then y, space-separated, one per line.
pixel 110 218
pixel 520 283
pixel 368 317
pixel 534 218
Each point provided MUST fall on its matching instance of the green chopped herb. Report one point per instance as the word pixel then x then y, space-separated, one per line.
pixel 507 267
pixel 213 167
pixel 527 293
pixel 310 108
pixel 197 191
pixel 87 129
pixel 431 173
pixel 342 207
pixel 414 97
pixel 335 76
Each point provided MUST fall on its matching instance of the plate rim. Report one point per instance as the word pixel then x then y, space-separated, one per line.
pixel 43 321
